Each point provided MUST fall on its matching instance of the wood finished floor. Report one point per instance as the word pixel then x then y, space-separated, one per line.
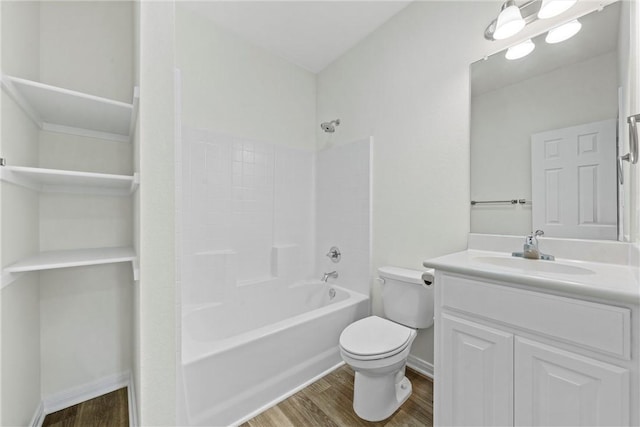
pixel 108 410
pixel 328 403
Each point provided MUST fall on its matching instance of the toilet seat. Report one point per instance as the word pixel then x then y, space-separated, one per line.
pixel 374 338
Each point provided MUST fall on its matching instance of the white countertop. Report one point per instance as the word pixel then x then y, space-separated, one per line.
pixel 608 281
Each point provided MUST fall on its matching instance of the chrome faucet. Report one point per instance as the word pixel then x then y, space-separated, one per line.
pixel 530 249
pixel 326 276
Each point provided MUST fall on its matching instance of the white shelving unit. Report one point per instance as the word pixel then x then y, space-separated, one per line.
pixel 62 181
pixel 62 110
pixel 70 258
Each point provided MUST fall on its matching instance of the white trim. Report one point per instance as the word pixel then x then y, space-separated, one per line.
pixel 38 416
pixel 7 84
pixel 67 181
pixel 134 113
pixel 70 130
pixel 36 109
pixel 75 395
pixel 286 395
pixel 133 407
pixel 72 396
pixel 7 278
pixel 135 266
pixel 421 366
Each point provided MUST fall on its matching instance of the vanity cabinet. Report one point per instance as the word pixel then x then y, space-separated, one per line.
pixel 508 355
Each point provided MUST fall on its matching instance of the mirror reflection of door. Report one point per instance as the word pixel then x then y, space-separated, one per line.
pixel 574 181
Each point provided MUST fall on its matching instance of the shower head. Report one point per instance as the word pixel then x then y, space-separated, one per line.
pixel 330 127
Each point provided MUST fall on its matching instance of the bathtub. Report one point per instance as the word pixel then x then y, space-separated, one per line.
pixel 238 359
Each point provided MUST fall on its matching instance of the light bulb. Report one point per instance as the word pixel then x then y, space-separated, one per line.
pixel 509 21
pixel 520 50
pixel 551 8
pixel 563 32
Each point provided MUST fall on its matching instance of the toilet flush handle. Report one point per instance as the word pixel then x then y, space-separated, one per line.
pixel 427 278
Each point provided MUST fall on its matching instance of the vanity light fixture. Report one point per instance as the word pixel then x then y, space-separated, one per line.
pixel 520 50
pixel 563 32
pixel 551 8
pixel 512 18
pixel 509 21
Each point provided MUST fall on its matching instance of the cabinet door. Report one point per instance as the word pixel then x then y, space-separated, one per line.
pixel 475 374
pixel 557 388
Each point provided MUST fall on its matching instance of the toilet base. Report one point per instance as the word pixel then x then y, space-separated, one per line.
pixel 376 397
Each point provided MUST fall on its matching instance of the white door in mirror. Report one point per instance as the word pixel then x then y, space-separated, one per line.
pixel 573 186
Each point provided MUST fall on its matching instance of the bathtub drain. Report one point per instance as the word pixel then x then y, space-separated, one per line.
pixel 332 293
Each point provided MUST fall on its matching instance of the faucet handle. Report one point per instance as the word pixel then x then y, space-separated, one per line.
pixel 334 254
pixel 534 235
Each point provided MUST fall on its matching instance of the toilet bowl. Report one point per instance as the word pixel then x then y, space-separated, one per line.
pixel 377 349
pixel 378 365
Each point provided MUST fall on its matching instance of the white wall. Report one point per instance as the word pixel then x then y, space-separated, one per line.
pixel 235 88
pixel 343 213
pixel 86 325
pixel 501 160
pixel 19 309
pixel 86 46
pixel 135 337
pixel 155 363
pixel 409 89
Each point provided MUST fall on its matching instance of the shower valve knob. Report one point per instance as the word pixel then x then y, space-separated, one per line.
pixel 334 254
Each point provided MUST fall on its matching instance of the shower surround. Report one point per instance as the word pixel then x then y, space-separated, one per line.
pixel 256 220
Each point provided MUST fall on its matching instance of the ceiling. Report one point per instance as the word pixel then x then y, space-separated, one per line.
pixel 311 34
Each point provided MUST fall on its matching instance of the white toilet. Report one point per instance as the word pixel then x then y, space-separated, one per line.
pixel 377 348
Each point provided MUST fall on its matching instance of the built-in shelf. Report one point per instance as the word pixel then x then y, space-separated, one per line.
pixel 63 181
pixel 61 110
pixel 70 258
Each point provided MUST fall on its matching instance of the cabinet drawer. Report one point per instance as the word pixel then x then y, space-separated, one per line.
pixel 600 327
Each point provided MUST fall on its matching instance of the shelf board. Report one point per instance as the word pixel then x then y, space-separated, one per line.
pixel 66 111
pixel 70 258
pixel 63 181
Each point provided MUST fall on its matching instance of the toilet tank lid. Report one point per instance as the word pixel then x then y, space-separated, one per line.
pixel 404 274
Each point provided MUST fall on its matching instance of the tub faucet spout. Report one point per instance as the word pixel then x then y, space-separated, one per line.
pixel 326 276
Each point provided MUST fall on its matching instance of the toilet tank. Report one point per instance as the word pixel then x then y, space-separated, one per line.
pixel 406 298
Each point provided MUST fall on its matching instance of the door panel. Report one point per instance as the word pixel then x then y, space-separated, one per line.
pixel 476 374
pixel 574 181
pixel 557 388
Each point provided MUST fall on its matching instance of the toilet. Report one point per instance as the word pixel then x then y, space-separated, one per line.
pixel 377 348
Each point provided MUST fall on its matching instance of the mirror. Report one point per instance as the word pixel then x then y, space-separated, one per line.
pixel 544 134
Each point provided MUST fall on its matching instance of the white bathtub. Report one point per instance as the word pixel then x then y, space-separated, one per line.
pixel 233 366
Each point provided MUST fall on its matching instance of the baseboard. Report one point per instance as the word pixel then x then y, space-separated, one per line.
pixel 133 407
pixel 38 416
pixel 73 396
pixel 421 366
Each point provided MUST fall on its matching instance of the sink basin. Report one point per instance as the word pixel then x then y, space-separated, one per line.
pixel 533 265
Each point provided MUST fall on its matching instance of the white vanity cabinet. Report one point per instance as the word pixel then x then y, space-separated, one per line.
pixel 511 355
